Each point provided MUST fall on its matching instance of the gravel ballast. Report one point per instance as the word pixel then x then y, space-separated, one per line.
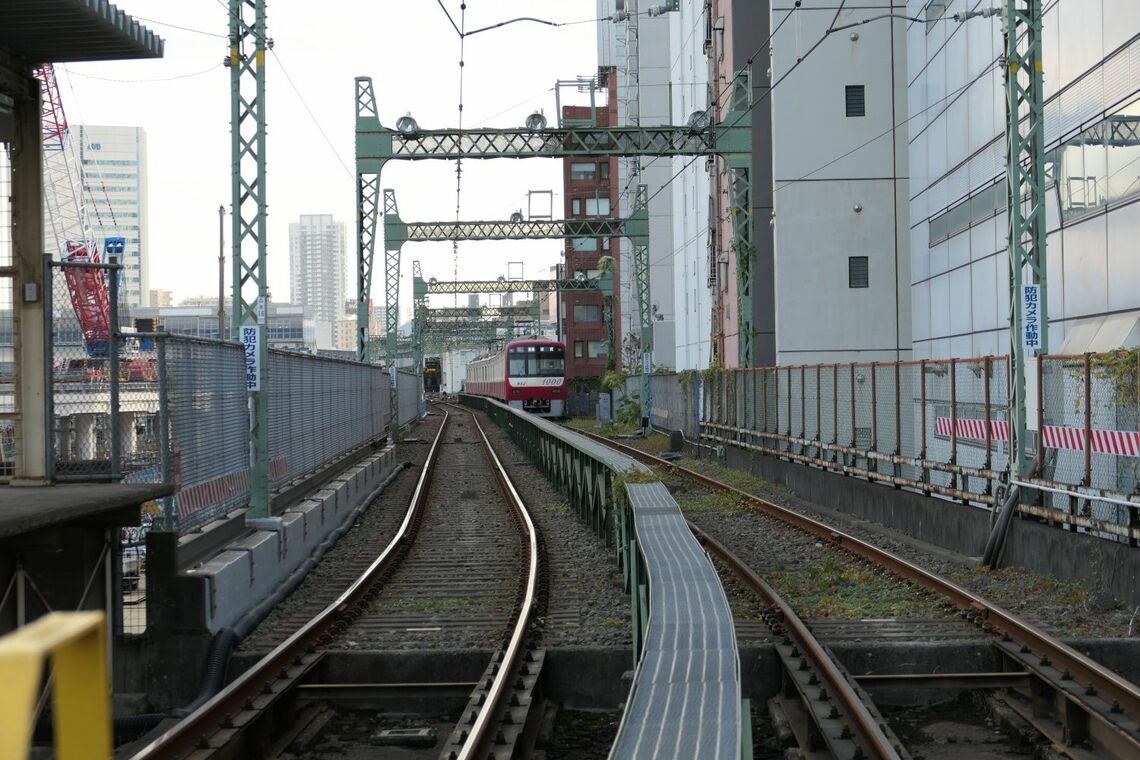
pixel 587 606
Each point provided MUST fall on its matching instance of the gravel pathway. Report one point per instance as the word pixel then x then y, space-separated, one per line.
pixel 587 606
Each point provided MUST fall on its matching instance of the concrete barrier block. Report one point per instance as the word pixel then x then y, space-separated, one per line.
pixel 310 511
pixel 329 502
pixel 228 578
pixel 264 549
pixel 294 547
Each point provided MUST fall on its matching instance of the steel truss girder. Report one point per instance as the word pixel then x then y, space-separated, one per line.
pixel 248 213
pixel 731 138
pixel 464 313
pixel 439 287
pixel 397 231
pixel 1025 197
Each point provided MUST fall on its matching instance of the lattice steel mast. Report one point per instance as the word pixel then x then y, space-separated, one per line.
pixel 250 286
pixel 1025 175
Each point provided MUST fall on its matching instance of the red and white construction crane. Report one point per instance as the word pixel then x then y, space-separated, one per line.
pixel 67 231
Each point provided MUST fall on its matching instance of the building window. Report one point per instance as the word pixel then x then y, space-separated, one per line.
pixel 578 349
pixel 583 171
pixel 587 312
pixel 858 274
pixel 597 207
pixel 576 207
pixel 856 100
pixel 584 244
pixel 605 169
pixel 597 349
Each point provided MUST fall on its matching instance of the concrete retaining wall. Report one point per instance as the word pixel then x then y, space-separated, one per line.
pixel 1097 564
pixel 248 570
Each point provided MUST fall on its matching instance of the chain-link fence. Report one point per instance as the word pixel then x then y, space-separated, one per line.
pixel 205 403
pixel 85 375
pixel 8 411
pixel 930 425
pixel 1088 442
pixel 409 392
pixel 319 409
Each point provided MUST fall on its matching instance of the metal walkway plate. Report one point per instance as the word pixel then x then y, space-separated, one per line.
pixel 685 698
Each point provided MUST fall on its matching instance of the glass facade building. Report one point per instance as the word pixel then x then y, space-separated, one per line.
pixel 113 161
pixel 959 262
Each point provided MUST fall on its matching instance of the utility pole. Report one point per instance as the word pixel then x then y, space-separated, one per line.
pixel 221 272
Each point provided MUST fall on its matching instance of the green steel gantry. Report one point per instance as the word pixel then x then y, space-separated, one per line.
pixel 1025 176
pixel 246 62
pixel 731 138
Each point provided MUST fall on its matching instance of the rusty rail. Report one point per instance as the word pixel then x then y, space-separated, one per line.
pixel 871 736
pixel 1108 685
pixel 254 690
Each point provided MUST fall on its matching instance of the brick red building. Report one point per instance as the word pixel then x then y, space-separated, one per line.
pixel 590 189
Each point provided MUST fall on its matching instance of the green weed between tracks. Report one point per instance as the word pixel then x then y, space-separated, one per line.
pixel 849 591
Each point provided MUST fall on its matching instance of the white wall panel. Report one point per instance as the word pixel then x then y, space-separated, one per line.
pixel 1124 258
pixel 1085 268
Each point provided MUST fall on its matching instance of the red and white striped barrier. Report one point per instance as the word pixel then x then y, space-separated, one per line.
pixel 1118 442
pixel 219 490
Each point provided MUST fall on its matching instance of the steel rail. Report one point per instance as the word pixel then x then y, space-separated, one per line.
pixel 192 732
pixel 1108 684
pixel 481 736
pixel 868 728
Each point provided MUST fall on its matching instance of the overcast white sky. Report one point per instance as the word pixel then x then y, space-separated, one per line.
pixel 412 53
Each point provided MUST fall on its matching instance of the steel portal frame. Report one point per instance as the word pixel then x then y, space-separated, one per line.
pixel 376 145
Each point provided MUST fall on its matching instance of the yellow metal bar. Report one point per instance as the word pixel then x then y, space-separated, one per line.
pixel 77 644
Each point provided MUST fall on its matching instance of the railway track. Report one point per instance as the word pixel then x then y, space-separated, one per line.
pixel 466 535
pixel 1080 707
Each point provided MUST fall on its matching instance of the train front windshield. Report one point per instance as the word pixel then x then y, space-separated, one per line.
pixel 536 361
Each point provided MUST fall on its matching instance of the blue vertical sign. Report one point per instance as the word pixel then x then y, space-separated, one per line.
pixel 1031 318
pixel 250 338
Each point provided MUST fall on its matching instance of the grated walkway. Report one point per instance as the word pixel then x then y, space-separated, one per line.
pixel 685 699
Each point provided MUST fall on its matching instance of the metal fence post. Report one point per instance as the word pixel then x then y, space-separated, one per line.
pixel 953 411
pixel 835 407
pixel 922 412
pixel 168 514
pixel 898 412
pixel 788 391
pixel 818 405
pixel 111 273
pixel 874 407
pixel 986 369
pixel 1088 421
pixel 803 401
pixel 854 439
pixel 49 367
pixel 1040 459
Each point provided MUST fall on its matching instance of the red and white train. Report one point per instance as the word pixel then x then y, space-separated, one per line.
pixel 527 374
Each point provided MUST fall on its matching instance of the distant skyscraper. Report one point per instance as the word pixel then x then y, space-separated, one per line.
pixel 113 162
pixel 316 271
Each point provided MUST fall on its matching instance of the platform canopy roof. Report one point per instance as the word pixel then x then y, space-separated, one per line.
pixel 61 31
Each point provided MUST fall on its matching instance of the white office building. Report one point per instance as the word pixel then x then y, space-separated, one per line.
pixel 840 195
pixel 960 266
pixel 644 98
pixel 317 272
pixel 113 164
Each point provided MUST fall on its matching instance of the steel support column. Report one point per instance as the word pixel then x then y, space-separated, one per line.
pixel 1025 175
pixel 250 286
pixel 740 212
